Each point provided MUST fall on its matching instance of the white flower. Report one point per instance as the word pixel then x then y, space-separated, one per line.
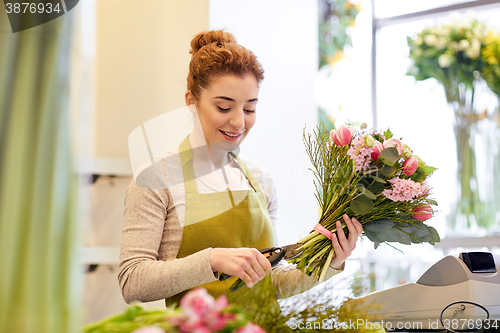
pixel 444 61
pixel 479 31
pixel 463 44
pixel 430 40
pixel 441 43
pixel 472 53
pixel 454 46
pixel 476 44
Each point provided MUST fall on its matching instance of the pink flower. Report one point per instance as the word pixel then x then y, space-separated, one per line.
pixel 376 150
pixel 198 327
pixel 422 212
pixel 220 303
pixel 404 189
pixel 393 142
pixel 342 136
pixel 149 329
pixel 196 303
pixel 360 154
pixel 250 328
pixel 215 320
pixel 410 166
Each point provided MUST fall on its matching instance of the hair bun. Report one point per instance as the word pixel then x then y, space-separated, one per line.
pixel 211 37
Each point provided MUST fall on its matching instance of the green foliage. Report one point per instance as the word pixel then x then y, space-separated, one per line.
pixel 324 119
pixel 389 156
pixel 422 173
pixel 387 135
pixel 491 55
pixel 336 18
pixel 362 204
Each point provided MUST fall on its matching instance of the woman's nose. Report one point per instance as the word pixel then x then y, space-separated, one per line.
pixel 237 118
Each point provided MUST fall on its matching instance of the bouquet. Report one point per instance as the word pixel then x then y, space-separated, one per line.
pixel 451 53
pixel 373 177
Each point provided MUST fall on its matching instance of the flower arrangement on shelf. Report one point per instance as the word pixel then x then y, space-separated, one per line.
pixel 450 53
pixel 374 177
pixel 460 55
pixel 198 312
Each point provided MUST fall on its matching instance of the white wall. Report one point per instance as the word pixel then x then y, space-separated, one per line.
pixel 142 58
pixel 141 64
pixel 283 35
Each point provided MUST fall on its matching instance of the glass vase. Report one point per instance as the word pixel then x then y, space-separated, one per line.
pixel 477 206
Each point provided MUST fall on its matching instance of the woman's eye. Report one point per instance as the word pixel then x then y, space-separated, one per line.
pixel 250 111
pixel 222 109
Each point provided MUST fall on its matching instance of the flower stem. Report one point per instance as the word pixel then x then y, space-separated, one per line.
pixel 325 267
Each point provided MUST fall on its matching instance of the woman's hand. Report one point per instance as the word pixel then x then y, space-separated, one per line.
pixel 343 246
pixel 248 264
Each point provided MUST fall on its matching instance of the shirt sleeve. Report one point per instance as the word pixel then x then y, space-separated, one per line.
pixel 143 276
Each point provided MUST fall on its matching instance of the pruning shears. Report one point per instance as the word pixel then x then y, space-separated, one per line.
pixel 274 255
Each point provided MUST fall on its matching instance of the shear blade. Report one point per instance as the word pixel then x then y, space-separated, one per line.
pixel 292 251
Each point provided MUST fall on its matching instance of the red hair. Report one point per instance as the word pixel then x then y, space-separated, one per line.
pixel 216 53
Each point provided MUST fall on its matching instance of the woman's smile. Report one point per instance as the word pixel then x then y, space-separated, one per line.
pixel 226 108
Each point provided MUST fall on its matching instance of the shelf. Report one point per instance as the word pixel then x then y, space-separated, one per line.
pixel 100 255
pixel 105 166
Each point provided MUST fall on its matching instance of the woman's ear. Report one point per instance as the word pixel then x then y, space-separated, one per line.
pixel 190 100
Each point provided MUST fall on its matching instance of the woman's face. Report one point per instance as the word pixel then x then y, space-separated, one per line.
pixel 226 109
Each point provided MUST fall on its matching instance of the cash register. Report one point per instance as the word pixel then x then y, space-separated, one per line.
pixel 458 293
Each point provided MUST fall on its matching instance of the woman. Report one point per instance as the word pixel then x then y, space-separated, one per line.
pixel 216 210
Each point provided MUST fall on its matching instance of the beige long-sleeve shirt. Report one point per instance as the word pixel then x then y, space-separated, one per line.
pixel 151 237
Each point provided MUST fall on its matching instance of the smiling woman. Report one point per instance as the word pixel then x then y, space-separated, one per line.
pixel 217 209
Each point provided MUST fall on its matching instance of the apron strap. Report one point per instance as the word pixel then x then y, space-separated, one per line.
pixel 187 166
pixel 188 170
pixel 247 173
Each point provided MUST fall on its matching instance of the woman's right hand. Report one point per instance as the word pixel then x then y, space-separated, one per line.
pixel 246 263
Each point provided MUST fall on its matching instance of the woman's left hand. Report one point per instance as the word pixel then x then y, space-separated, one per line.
pixel 343 246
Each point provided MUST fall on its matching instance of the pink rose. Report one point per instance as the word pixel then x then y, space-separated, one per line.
pixel 422 212
pixel 393 142
pixel 250 328
pixel 149 329
pixel 342 136
pixel 376 150
pixel 196 303
pixel 410 166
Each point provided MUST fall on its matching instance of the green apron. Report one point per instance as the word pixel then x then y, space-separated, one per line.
pixel 226 219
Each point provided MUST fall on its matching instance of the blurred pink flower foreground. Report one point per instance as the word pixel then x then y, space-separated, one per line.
pixel 199 312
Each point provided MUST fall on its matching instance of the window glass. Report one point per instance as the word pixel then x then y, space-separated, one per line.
pixel 387 8
pixel 418 112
